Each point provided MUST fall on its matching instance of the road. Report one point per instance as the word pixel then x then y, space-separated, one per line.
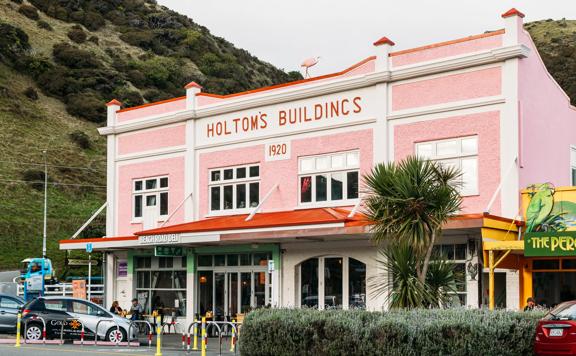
pixel 70 350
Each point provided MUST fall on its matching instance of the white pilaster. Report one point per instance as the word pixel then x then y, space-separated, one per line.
pixel 383 47
pixel 192 89
pixel 513 24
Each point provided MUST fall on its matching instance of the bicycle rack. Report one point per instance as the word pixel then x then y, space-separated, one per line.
pixel 194 324
pixel 135 322
pixel 34 318
pixel 106 320
pixel 235 328
pixel 62 330
pixel 171 323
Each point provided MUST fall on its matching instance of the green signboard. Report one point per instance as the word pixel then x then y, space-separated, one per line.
pixel 169 251
pixel 550 244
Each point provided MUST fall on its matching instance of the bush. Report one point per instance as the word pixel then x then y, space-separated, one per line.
pixel 31 93
pixel 81 139
pixel 35 177
pixel 73 57
pixel 77 35
pixel 29 11
pixel 414 332
pixel 13 43
pixel 44 25
pixel 87 106
pixel 94 40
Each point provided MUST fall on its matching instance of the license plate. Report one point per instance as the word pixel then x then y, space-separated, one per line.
pixel 556 332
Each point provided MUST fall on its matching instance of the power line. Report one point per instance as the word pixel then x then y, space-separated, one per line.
pixel 51 165
pixel 53 183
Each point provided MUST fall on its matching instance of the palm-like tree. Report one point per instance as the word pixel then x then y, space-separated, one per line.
pixel 409 202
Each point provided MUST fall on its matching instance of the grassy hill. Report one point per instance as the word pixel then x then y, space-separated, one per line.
pixel 61 60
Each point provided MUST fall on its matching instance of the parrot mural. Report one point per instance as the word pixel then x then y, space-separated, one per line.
pixel 540 206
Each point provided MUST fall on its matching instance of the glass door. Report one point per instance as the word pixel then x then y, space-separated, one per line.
pixel 245 292
pixel 220 293
pixel 233 292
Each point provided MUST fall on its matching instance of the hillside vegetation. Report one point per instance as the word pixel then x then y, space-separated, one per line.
pixel 61 60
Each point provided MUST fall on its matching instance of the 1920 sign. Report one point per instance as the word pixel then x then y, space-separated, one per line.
pixel 168 251
pixel 543 244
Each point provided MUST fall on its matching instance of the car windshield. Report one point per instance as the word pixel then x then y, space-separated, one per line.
pixel 566 311
pixel 24 267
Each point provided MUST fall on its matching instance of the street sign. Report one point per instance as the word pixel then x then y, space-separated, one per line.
pixel 72 262
pixel 89 247
pixel 168 251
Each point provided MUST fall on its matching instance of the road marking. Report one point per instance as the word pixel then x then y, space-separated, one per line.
pixel 101 351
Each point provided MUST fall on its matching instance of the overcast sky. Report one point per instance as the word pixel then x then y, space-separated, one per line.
pixel 285 33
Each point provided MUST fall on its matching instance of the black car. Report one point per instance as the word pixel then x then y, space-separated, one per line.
pixel 68 315
pixel 9 306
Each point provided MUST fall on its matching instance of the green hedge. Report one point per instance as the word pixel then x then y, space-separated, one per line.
pixel 414 332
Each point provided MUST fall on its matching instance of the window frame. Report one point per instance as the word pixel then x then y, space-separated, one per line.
pixel 235 183
pixel 145 193
pixel 457 261
pixel 328 172
pixel 458 158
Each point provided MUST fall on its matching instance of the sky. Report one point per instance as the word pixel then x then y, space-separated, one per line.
pixel 285 33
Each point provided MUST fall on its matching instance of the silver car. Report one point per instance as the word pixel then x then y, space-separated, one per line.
pixel 9 306
pixel 68 315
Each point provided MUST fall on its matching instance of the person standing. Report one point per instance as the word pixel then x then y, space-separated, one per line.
pixel 530 304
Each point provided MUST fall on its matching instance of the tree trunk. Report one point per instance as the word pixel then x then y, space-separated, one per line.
pixel 424 269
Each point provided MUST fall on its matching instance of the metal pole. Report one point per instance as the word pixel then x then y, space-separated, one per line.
pixel 45 204
pixel 491 278
pixel 89 274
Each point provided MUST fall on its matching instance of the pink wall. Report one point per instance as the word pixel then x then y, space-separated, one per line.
pixel 485 125
pixel 452 48
pixel 163 107
pixel 548 123
pixel 152 139
pixel 284 172
pixel 449 88
pixel 172 167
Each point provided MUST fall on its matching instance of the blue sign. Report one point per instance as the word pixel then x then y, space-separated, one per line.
pixel 89 247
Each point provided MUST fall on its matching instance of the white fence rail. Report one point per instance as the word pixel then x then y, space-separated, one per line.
pixel 65 290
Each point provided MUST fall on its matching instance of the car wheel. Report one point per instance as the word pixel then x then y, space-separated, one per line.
pixel 116 336
pixel 34 332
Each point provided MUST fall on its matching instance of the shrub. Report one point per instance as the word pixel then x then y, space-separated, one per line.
pixel 13 42
pixel 415 332
pixel 81 139
pixel 31 93
pixel 29 11
pixel 94 39
pixel 88 106
pixel 73 57
pixel 93 21
pixel 77 35
pixel 44 25
pixel 35 177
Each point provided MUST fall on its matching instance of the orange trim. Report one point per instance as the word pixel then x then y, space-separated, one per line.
pixel 512 12
pixel 100 239
pixel 151 104
pixel 193 85
pixel 113 102
pixel 447 43
pixel 291 83
pixel 508 220
pixel 384 40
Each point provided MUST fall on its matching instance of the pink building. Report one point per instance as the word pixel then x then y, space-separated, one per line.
pixel 226 203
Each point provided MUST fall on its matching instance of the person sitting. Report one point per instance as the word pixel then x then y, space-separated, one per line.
pixel 115 308
pixel 136 310
pixel 530 304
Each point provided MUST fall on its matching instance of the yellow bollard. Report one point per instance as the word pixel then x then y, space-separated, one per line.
pixel 158 337
pixel 18 330
pixel 195 336
pixel 233 339
pixel 203 336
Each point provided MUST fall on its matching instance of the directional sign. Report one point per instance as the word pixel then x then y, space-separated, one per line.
pixel 89 247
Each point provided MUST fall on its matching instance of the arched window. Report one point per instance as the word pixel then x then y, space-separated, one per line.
pixel 332 282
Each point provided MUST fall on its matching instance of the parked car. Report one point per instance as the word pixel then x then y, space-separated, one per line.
pixel 556 332
pixel 70 314
pixel 9 306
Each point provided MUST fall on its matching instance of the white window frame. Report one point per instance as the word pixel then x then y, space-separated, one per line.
pixel 234 182
pixel 572 163
pixel 344 170
pixel 149 192
pixel 463 262
pixel 455 158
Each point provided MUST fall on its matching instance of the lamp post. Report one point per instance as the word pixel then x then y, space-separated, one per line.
pixel 45 204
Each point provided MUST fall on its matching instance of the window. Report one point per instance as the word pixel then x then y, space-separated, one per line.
pixel 455 253
pixel 461 153
pixel 150 193
pixel 55 304
pixel 573 165
pixel 328 178
pixel 234 188
pixel 8 303
pixel 322 283
pixel 84 308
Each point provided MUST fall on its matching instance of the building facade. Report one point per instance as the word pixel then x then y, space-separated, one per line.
pixel 221 204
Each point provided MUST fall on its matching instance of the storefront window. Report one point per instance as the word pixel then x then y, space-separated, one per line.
pixel 455 253
pixel 232 189
pixel 330 270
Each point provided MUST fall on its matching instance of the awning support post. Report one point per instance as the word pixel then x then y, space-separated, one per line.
pixel 175 210
pixel 256 209
pixel 89 220
pixel 499 188
pixel 491 279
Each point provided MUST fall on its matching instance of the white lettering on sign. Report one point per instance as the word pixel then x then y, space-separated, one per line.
pixel 333 110
pixel 277 151
pixel 159 239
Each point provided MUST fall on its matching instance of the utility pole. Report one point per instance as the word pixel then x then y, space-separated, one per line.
pixel 45 204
